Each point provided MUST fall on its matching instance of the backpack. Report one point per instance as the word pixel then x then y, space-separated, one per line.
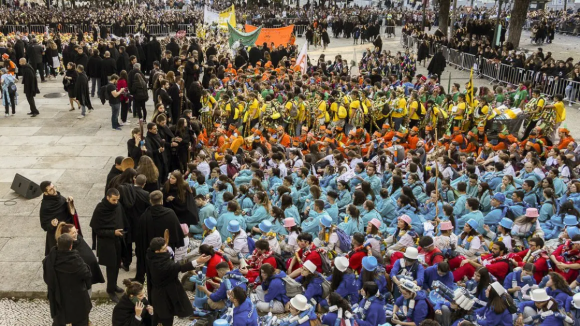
pixel 252 245
pixel 325 288
pixel 293 288
pixel 12 88
pixel 231 170
pixel 344 243
pixel 326 265
pixel 280 263
pixel 293 110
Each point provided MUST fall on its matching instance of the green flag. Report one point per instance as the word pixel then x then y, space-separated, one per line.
pixel 246 39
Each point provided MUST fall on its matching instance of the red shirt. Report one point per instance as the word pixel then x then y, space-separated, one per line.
pixel 428 256
pixel 211 267
pixel 253 273
pixel 540 263
pixel 313 256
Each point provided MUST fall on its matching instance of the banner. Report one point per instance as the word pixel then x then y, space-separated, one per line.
pixel 245 39
pixel 302 61
pixel 279 36
pixel 210 16
pixel 221 18
pixel 228 15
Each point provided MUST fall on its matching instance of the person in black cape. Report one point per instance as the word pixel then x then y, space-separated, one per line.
pixel 53 210
pixel 178 196
pixel 68 279
pixel 153 223
pixel 133 308
pixel 82 90
pixel 166 292
pixel 141 205
pixel 115 171
pixel 155 147
pixel 437 64
pixel 30 85
pixel 124 183
pixel 84 251
pixel 107 223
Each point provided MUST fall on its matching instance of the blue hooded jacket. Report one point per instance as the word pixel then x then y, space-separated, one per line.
pixel 487 317
pixel 237 280
pixel 432 275
pixel 245 314
pixel 348 287
pixel 314 288
pixel 417 274
pixel 381 281
pixel 421 307
pixel 276 288
pixel 375 315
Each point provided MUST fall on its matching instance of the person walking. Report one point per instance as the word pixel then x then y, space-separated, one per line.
pixel 35 53
pixel 68 81
pixel 9 91
pixel 115 101
pixel 81 91
pixel 68 279
pixel 107 224
pixel 138 87
pixel 94 72
pixel 53 210
pixel 30 85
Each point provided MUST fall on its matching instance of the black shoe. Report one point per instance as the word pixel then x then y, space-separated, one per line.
pixel 113 297
pixel 33 115
pixel 119 290
pixel 29 113
pixel 123 266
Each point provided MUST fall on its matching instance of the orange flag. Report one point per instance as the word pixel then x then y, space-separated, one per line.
pixel 280 36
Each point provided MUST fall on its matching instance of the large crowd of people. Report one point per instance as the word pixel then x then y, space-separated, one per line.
pixel 355 192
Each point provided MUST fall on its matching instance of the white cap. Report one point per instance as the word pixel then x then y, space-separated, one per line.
pixel 341 263
pixel 540 295
pixel 576 300
pixel 299 302
pixel 412 253
pixel 499 289
pixel 309 266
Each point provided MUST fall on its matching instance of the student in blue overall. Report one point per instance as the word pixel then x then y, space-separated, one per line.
pixel 344 197
pixel 218 300
pixel 411 307
pixel 343 281
pixel 311 282
pixel 518 206
pixel 495 313
pixel 438 272
pixel 408 266
pixel 541 310
pixel 301 312
pixel 371 271
pixel 472 206
pixel 516 280
pixel 245 313
pixel 498 211
pixel 371 311
pixel 272 292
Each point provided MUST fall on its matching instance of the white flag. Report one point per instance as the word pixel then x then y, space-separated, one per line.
pixel 302 60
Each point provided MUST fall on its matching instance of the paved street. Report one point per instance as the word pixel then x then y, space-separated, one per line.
pixel 76 156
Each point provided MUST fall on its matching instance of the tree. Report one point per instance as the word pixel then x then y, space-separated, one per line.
pixel 517 21
pixel 444 15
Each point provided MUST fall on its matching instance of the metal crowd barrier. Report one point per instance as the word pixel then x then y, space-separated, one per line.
pixel 299 30
pixel 455 58
pixel 469 61
pixel 158 30
pixel 188 28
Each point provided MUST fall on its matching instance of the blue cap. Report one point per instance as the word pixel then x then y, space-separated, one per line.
pixel 220 322
pixel 265 226
pixel 572 231
pixel 557 220
pixel 499 197
pixel 210 222
pixel 326 221
pixel 234 226
pixel 506 223
pixel 473 223
pixel 570 220
pixel 370 263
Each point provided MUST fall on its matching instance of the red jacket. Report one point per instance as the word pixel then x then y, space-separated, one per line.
pixel 313 256
pixel 540 263
pixel 429 260
pixel 254 272
pixel 355 259
pixel 211 267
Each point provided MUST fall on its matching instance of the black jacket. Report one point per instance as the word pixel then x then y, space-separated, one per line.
pixel 124 313
pixel 106 219
pixel 108 67
pixel 94 67
pixel 35 54
pixel 82 90
pixel 53 207
pixel 174 48
pixel 29 80
pixel 68 279
pixel 81 59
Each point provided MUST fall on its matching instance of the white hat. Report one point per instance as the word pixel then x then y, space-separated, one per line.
pixel 409 286
pixel 341 263
pixel 299 302
pixel 411 253
pixel 540 295
pixel 499 289
pixel 309 266
pixel 576 300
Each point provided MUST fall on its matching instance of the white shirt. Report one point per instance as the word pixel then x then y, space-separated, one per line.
pixel 213 239
pixel 241 243
pixel 509 170
pixel 203 167
pixel 283 170
pixel 354 162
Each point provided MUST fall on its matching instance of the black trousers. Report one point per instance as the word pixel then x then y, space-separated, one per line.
pixel 141 111
pixel 124 110
pixel 162 321
pixel 112 275
pixel 30 99
pixel 12 103
pixel 82 323
pixel 40 68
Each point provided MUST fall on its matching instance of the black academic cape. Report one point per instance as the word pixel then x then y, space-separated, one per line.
pixel 53 207
pixel 187 211
pixel 82 90
pixel 166 292
pixel 106 219
pixel 68 279
pixel 124 313
pixel 89 258
pixel 153 223
pixel 112 174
